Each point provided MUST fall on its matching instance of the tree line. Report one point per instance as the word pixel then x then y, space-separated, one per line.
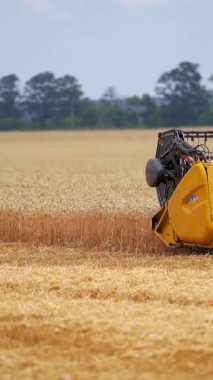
pixel 48 103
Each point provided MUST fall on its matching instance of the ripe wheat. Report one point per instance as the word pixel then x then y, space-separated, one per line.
pixel 127 232
pixel 82 188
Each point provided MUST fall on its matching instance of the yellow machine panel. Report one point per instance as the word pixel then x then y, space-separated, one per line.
pixel 189 207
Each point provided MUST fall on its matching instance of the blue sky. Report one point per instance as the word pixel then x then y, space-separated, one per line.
pixel 122 43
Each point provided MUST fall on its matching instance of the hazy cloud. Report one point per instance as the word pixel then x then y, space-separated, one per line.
pixel 140 2
pixel 46 8
pixel 146 3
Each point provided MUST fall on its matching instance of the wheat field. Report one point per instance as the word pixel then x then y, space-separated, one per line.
pixel 86 291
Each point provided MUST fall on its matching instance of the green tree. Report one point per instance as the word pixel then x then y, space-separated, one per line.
pixel 110 115
pixel 149 111
pixel 135 108
pixel 110 94
pixel 40 97
pixel 185 98
pixel 145 110
pixel 110 112
pixel 9 96
pixel 134 101
pixel 68 100
pixel 89 113
pixel 207 116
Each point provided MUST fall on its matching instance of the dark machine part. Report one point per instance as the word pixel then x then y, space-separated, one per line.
pixel 174 157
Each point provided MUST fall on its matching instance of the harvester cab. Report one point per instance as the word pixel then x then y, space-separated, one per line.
pixel 182 172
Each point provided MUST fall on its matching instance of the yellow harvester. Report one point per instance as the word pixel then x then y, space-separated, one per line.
pixel 182 173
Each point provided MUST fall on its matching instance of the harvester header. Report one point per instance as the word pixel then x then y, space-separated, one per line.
pixel 182 172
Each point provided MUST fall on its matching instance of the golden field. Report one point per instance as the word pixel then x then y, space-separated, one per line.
pixel 65 171
pixel 86 291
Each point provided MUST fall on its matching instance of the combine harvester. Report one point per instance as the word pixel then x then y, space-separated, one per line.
pixel 183 176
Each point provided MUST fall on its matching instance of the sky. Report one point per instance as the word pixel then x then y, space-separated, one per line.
pixel 126 44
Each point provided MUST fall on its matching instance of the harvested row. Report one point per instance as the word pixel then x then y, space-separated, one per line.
pixel 126 232
pixel 78 314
